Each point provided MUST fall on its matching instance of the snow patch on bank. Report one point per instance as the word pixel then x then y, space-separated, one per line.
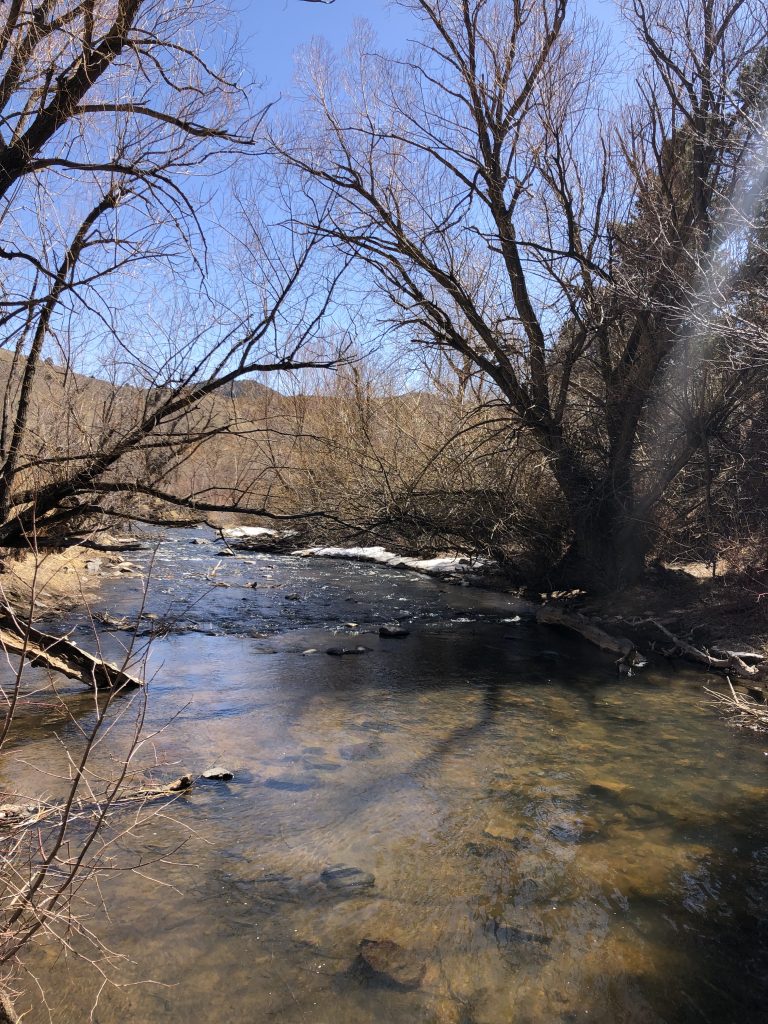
pixel 431 566
pixel 247 532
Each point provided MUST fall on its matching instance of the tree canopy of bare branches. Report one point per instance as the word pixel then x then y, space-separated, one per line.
pixel 573 229
pixel 125 303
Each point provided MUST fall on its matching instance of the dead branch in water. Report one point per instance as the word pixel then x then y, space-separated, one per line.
pixel 60 654
pixel 15 818
pixel 727 661
pixel 745 709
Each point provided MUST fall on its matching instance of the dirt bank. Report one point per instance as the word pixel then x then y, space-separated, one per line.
pixel 55 581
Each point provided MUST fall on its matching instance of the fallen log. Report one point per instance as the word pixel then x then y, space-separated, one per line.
pixel 727 661
pixel 60 655
pixel 116 544
pixel 549 616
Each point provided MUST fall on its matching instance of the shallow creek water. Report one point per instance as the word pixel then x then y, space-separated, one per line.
pixel 548 842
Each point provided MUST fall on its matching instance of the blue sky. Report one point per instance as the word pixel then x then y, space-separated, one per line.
pixel 273 29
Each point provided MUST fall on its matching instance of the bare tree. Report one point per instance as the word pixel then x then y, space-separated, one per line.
pixel 509 209
pixel 120 121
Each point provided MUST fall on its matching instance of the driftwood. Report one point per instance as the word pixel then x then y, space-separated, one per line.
pixel 727 661
pixel 116 544
pixel 60 655
pixel 17 817
pixel 549 616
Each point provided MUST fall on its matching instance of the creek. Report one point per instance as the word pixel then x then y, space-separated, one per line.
pixel 544 840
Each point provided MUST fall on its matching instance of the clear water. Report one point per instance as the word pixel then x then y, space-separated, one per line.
pixel 549 842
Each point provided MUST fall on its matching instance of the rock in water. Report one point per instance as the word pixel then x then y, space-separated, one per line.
pixel 360 751
pixel 390 964
pixel 180 784
pixel 340 651
pixel 218 774
pixel 393 631
pixel 348 881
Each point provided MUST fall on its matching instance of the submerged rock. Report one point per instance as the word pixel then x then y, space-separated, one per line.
pixel 320 764
pixel 509 830
pixel 607 788
pixel 580 830
pixel 507 934
pixel 641 814
pixel 291 783
pixel 341 651
pixel 481 849
pixel 389 963
pixel 360 751
pixel 346 880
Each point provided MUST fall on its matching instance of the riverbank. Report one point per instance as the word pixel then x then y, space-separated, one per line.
pixel 724 612
pixel 50 583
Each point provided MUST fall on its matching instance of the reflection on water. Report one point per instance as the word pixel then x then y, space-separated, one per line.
pixel 543 841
